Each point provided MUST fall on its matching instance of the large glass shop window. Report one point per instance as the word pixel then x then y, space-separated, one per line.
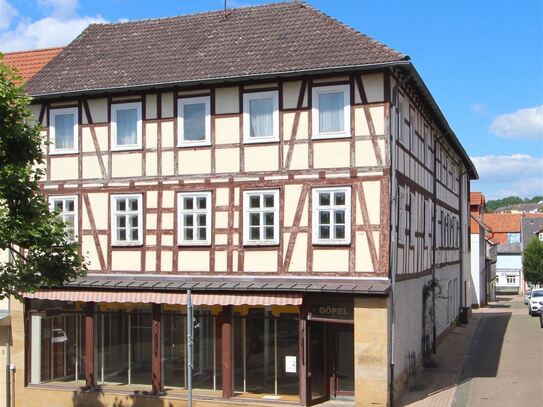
pixel 265 352
pixel 123 347
pixel 206 371
pixel 57 343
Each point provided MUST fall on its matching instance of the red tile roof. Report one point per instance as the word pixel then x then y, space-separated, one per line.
pixel 476 198
pixel 503 223
pixel 30 62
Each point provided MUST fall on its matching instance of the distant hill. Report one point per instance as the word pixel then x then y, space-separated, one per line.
pixel 491 206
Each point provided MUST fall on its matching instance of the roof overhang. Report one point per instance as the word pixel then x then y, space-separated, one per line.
pixel 5 318
pixel 482 224
pixel 205 283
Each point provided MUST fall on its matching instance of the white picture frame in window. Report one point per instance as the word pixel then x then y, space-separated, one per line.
pixel 64 198
pixel 181 103
pixel 114 212
pixel 318 90
pixel 52 121
pixel 247 211
pixel 247 97
pixel 315 215
pixel 115 107
pixel 181 241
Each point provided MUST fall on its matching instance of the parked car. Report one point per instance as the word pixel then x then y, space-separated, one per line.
pixel 527 297
pixel 536 302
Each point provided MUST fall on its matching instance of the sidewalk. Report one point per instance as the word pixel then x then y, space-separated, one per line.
pixel 440 383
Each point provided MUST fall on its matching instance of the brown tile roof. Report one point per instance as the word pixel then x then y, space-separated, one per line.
pixel 270 39
pixel 28 63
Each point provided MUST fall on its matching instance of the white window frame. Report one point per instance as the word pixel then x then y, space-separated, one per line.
pixel 115 107
pixel 64 198
pixel 247 97
pixel 347 207
pixel 317 90
pixel 181 219
pixel 181 102
pixel 114 212
pixel 247 211
pixel 52 116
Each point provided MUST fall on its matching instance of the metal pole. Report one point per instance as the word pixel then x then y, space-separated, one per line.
pixel 190 326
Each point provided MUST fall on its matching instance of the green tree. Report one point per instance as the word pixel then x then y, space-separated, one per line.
pixel 532 261
pixel 35 251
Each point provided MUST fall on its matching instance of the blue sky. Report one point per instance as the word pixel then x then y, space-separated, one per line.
pixel 482 60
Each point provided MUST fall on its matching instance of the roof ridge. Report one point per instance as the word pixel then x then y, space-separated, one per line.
pixel 32 50
pixel 202 13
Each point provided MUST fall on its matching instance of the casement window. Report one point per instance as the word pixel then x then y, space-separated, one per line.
pixel 261 217
pixel 194 218
pixel 194 121
pixel 331 111
pixel 126 126
pixel 261 117
pixel 513 238
pixel 67 209
pixel 63 130
pixel 332 215
pixel 126 220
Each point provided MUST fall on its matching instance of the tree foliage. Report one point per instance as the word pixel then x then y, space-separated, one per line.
pixel 532 261
pixel 35 251
pixel 492 205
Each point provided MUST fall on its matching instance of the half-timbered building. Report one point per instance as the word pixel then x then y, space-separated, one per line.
pixel 294 174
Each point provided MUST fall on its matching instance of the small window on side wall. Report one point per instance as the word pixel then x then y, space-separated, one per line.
pixel 194 121
pixel 261 117
pixel 63 130
pixel 67 210
pixel 126 220
pixel 331 112
pixel 126 126
pixel 332 216
pixel 194 218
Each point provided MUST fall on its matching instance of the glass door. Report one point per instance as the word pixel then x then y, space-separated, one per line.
pixel 343 360
pixel 317 372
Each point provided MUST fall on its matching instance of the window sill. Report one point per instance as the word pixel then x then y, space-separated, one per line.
pixel 195 144
pixel 260 244
pixel 189 244
pixel 63 152
pixel 125 148
pixel 126 245
pixel 329 136
pixel 334 244
pixel 261 140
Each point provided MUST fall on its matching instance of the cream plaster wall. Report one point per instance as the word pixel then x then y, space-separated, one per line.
pixel 227 130
pixel 192 260
pixel 331 261
pixel 63 168
pixel 126 260
pixel 227 100
pixel 331 154
pixel 261 158
pixel 126 165
pixel 260 261
pixel 194 162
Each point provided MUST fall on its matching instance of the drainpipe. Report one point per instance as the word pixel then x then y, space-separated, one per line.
pixel 393 264
pixel 461 207
pixel 190 354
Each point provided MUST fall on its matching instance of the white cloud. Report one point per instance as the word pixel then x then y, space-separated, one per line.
pixel 505 175
pixel 7 12
pixel 57 29
pixel 523 124
pixel 479 108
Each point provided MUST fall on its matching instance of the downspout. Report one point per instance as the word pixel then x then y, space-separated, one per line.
pixel 393 264
pixel 461 207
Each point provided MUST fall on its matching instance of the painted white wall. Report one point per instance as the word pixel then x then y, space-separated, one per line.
pixel 477 257
pixel 448 302
pixel 509 261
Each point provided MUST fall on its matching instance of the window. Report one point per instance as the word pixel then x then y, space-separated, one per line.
pixel 194 121
pixel 126 126
pixel 541 236
pixel 513 238
pixel 67 207
pixel 511 279
pixel 261 117
pixel 194 218
pixel 126 220
pixel 63 130
pixel 332 215
pixel 261 217
pixel 331 112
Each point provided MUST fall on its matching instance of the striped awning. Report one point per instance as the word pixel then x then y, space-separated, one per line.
pixel 158 297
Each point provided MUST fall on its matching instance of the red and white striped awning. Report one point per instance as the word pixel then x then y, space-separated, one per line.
pixel 161 297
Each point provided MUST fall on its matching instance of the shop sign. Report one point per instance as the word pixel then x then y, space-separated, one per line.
pixel 290 364
pixel 331 311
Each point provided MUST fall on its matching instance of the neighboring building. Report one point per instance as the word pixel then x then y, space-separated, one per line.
pixel 294 174
pixel 27 63
pixel 482 254
pixel 506 232
pixel 521 208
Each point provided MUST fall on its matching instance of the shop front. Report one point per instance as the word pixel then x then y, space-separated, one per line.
pixel 282 348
